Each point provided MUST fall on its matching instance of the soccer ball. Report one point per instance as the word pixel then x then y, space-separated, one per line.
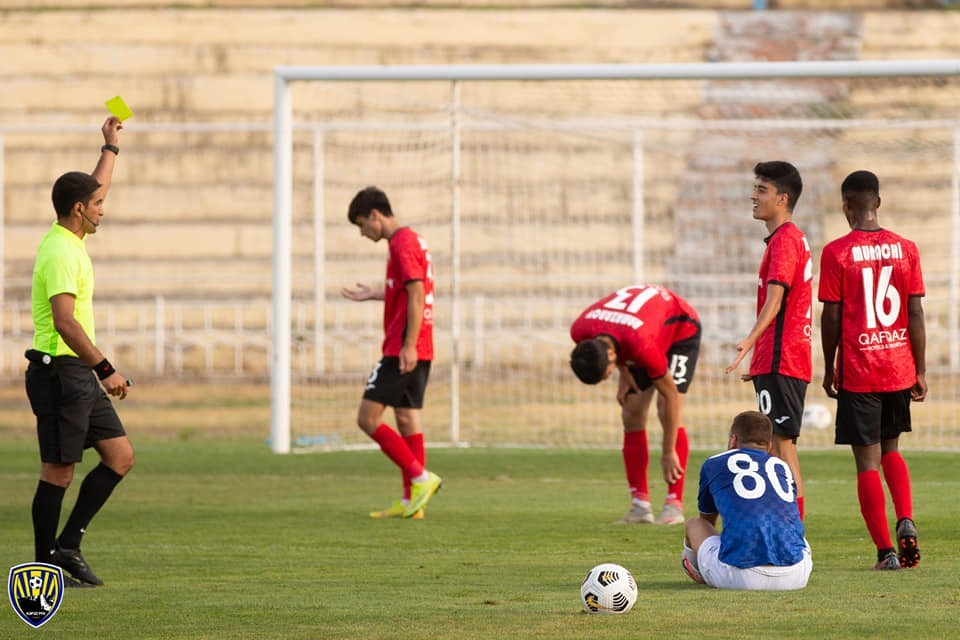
pixel 608 588
pixel 816 416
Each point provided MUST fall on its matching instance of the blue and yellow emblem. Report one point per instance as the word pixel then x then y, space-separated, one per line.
pixel 36 591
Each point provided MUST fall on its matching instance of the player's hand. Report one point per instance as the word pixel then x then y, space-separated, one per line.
pixel 626 385
pixel 918 392
pixel 622 392
pixel 828 384
pixel 672 470
pixel 361 293
pixel 742 351
pixel 115 385
pixel 408 359
pixel 111 130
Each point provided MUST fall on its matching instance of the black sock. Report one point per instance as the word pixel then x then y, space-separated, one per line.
pixel 96 488
pixel 46 516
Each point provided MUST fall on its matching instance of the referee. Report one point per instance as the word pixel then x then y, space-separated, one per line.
pixel 66 371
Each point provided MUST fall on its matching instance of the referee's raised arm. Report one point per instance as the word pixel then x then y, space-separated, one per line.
pixel 103 172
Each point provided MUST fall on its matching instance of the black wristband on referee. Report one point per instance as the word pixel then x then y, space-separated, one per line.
pixel 110 147
pixel 104 369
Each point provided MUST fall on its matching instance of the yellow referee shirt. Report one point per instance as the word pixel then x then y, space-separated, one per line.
pixel 62 266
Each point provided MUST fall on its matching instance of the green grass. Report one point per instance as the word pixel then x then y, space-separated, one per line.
pixel 222 539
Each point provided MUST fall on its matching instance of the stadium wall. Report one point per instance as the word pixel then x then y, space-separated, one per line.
pixel 215 66
pixel 196 203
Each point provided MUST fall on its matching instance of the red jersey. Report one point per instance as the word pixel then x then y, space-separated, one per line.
pixel 872 274
pixel 644 320
pixel 785 346
pixel 409 259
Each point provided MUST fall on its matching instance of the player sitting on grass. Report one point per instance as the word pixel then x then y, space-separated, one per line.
pixel 762 545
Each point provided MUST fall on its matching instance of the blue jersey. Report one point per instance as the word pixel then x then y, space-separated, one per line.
pixel 756 497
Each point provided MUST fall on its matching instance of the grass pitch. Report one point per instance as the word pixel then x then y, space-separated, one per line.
pixel 223 539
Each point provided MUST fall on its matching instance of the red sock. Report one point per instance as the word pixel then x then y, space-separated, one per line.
pixel 897 475
pixel 873 507
pixel 415 444
pixel 675 490
pixel 397 450
pixel 636 458
pixel 800 506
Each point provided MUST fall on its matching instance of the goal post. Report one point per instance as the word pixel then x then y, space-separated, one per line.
pixel 282 261
pixel 631 157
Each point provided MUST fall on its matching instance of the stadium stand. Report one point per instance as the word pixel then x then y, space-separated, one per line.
pixel 213 186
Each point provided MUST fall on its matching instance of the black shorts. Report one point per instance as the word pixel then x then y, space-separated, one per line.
pixel 780 398
pixel 869 418
pixel 73 412
pixel 389 387
pixel 681 364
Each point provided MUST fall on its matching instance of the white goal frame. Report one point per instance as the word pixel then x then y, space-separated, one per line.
pixel 284 76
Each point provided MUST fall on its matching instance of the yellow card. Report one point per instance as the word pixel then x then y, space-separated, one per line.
pixel 119 108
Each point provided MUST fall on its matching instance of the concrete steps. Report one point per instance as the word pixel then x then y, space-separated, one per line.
pixel 190 213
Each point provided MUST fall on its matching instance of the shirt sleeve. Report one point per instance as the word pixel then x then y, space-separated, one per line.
pixel 783 261
pixel 60 276
pixel 410 260
pixel 705 503
pixel 646 355
pixel 830 276
pixel 578 330
pixel 916 282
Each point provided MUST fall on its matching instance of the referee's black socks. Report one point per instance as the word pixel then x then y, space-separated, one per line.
pixel 96 488
pixel 46 516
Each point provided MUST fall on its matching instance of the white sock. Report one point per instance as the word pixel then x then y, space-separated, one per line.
pixel 423 477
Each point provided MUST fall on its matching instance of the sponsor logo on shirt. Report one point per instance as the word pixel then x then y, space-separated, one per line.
pixel 883 339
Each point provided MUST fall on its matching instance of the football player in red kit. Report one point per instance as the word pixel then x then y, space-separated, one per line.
pixel 782 364
pixel 652 337
pixel 874 351
pixel 399 380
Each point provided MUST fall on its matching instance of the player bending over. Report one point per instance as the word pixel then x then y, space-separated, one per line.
pixel 652 337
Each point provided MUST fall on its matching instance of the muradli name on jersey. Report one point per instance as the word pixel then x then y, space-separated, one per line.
pixel 615 317
pixel 874 252
pixel 36 591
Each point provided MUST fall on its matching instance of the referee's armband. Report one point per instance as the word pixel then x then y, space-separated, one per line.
pixel 104 369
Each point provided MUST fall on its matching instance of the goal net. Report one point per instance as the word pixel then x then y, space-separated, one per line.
pixel 542 188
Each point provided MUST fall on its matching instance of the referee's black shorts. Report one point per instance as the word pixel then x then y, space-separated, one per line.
pixel 73 411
